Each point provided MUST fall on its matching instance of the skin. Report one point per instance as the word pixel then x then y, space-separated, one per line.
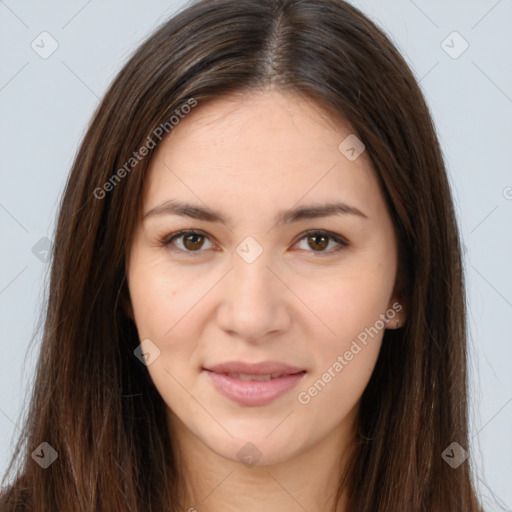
pixel 250 157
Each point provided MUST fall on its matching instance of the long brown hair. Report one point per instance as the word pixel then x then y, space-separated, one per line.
pixel 94 402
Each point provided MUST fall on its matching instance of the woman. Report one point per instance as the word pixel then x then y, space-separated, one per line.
pixel 256 296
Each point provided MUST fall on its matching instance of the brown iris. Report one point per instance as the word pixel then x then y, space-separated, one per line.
pixel 193 241
pixel 324 241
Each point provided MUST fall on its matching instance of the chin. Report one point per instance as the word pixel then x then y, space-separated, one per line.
pixel 254 444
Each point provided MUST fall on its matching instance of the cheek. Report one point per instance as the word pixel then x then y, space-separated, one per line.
pixel 162 309
pixel 169 309
pixel 338 387
pixel 348 304
pixel 346 352
pixel 153 300
pixel 161 297
pixel 349 337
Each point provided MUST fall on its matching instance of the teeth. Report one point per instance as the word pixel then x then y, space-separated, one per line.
pixel 245 376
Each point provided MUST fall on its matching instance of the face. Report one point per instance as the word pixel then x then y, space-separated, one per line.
pixel 289 259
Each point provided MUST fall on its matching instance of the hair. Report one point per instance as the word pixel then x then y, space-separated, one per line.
pixel 93 401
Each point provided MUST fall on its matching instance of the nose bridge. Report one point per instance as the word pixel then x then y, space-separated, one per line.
pixel 252 280
pixel 250 266
pixel 253 299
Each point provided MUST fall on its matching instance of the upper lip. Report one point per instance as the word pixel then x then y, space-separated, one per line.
pixel 263 368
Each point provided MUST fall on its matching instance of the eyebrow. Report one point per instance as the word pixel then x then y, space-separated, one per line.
pixel 313 211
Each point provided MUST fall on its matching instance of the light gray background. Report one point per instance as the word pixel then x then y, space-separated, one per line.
pixel 45 105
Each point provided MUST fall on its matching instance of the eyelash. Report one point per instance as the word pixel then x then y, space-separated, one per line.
pixel 342 243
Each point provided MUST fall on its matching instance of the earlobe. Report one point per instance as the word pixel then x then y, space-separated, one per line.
pixel 395 314
pixel 395 323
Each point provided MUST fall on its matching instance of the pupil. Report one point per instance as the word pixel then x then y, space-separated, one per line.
pixel 322 244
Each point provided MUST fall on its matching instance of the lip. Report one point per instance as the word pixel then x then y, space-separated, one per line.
pixel 261 368
pixel 254 392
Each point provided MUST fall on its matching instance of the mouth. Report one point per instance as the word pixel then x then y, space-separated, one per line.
pixel 264 377
pixel 254 389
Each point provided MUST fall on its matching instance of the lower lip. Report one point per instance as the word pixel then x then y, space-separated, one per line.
pixel 254 392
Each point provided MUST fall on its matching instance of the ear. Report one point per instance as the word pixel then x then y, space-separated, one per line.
pixel 395 313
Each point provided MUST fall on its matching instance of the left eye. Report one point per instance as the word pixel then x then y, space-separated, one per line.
pixel 322 239
pixel 193 241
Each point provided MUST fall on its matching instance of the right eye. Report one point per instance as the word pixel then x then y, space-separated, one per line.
pixel 191 241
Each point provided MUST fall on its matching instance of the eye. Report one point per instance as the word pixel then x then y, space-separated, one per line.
pixel 320 240
pixel 191 241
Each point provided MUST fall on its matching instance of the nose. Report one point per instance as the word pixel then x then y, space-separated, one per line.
pixel 254 301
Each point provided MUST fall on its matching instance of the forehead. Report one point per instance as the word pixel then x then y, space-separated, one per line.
pixel 271 117
pixel 259 150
